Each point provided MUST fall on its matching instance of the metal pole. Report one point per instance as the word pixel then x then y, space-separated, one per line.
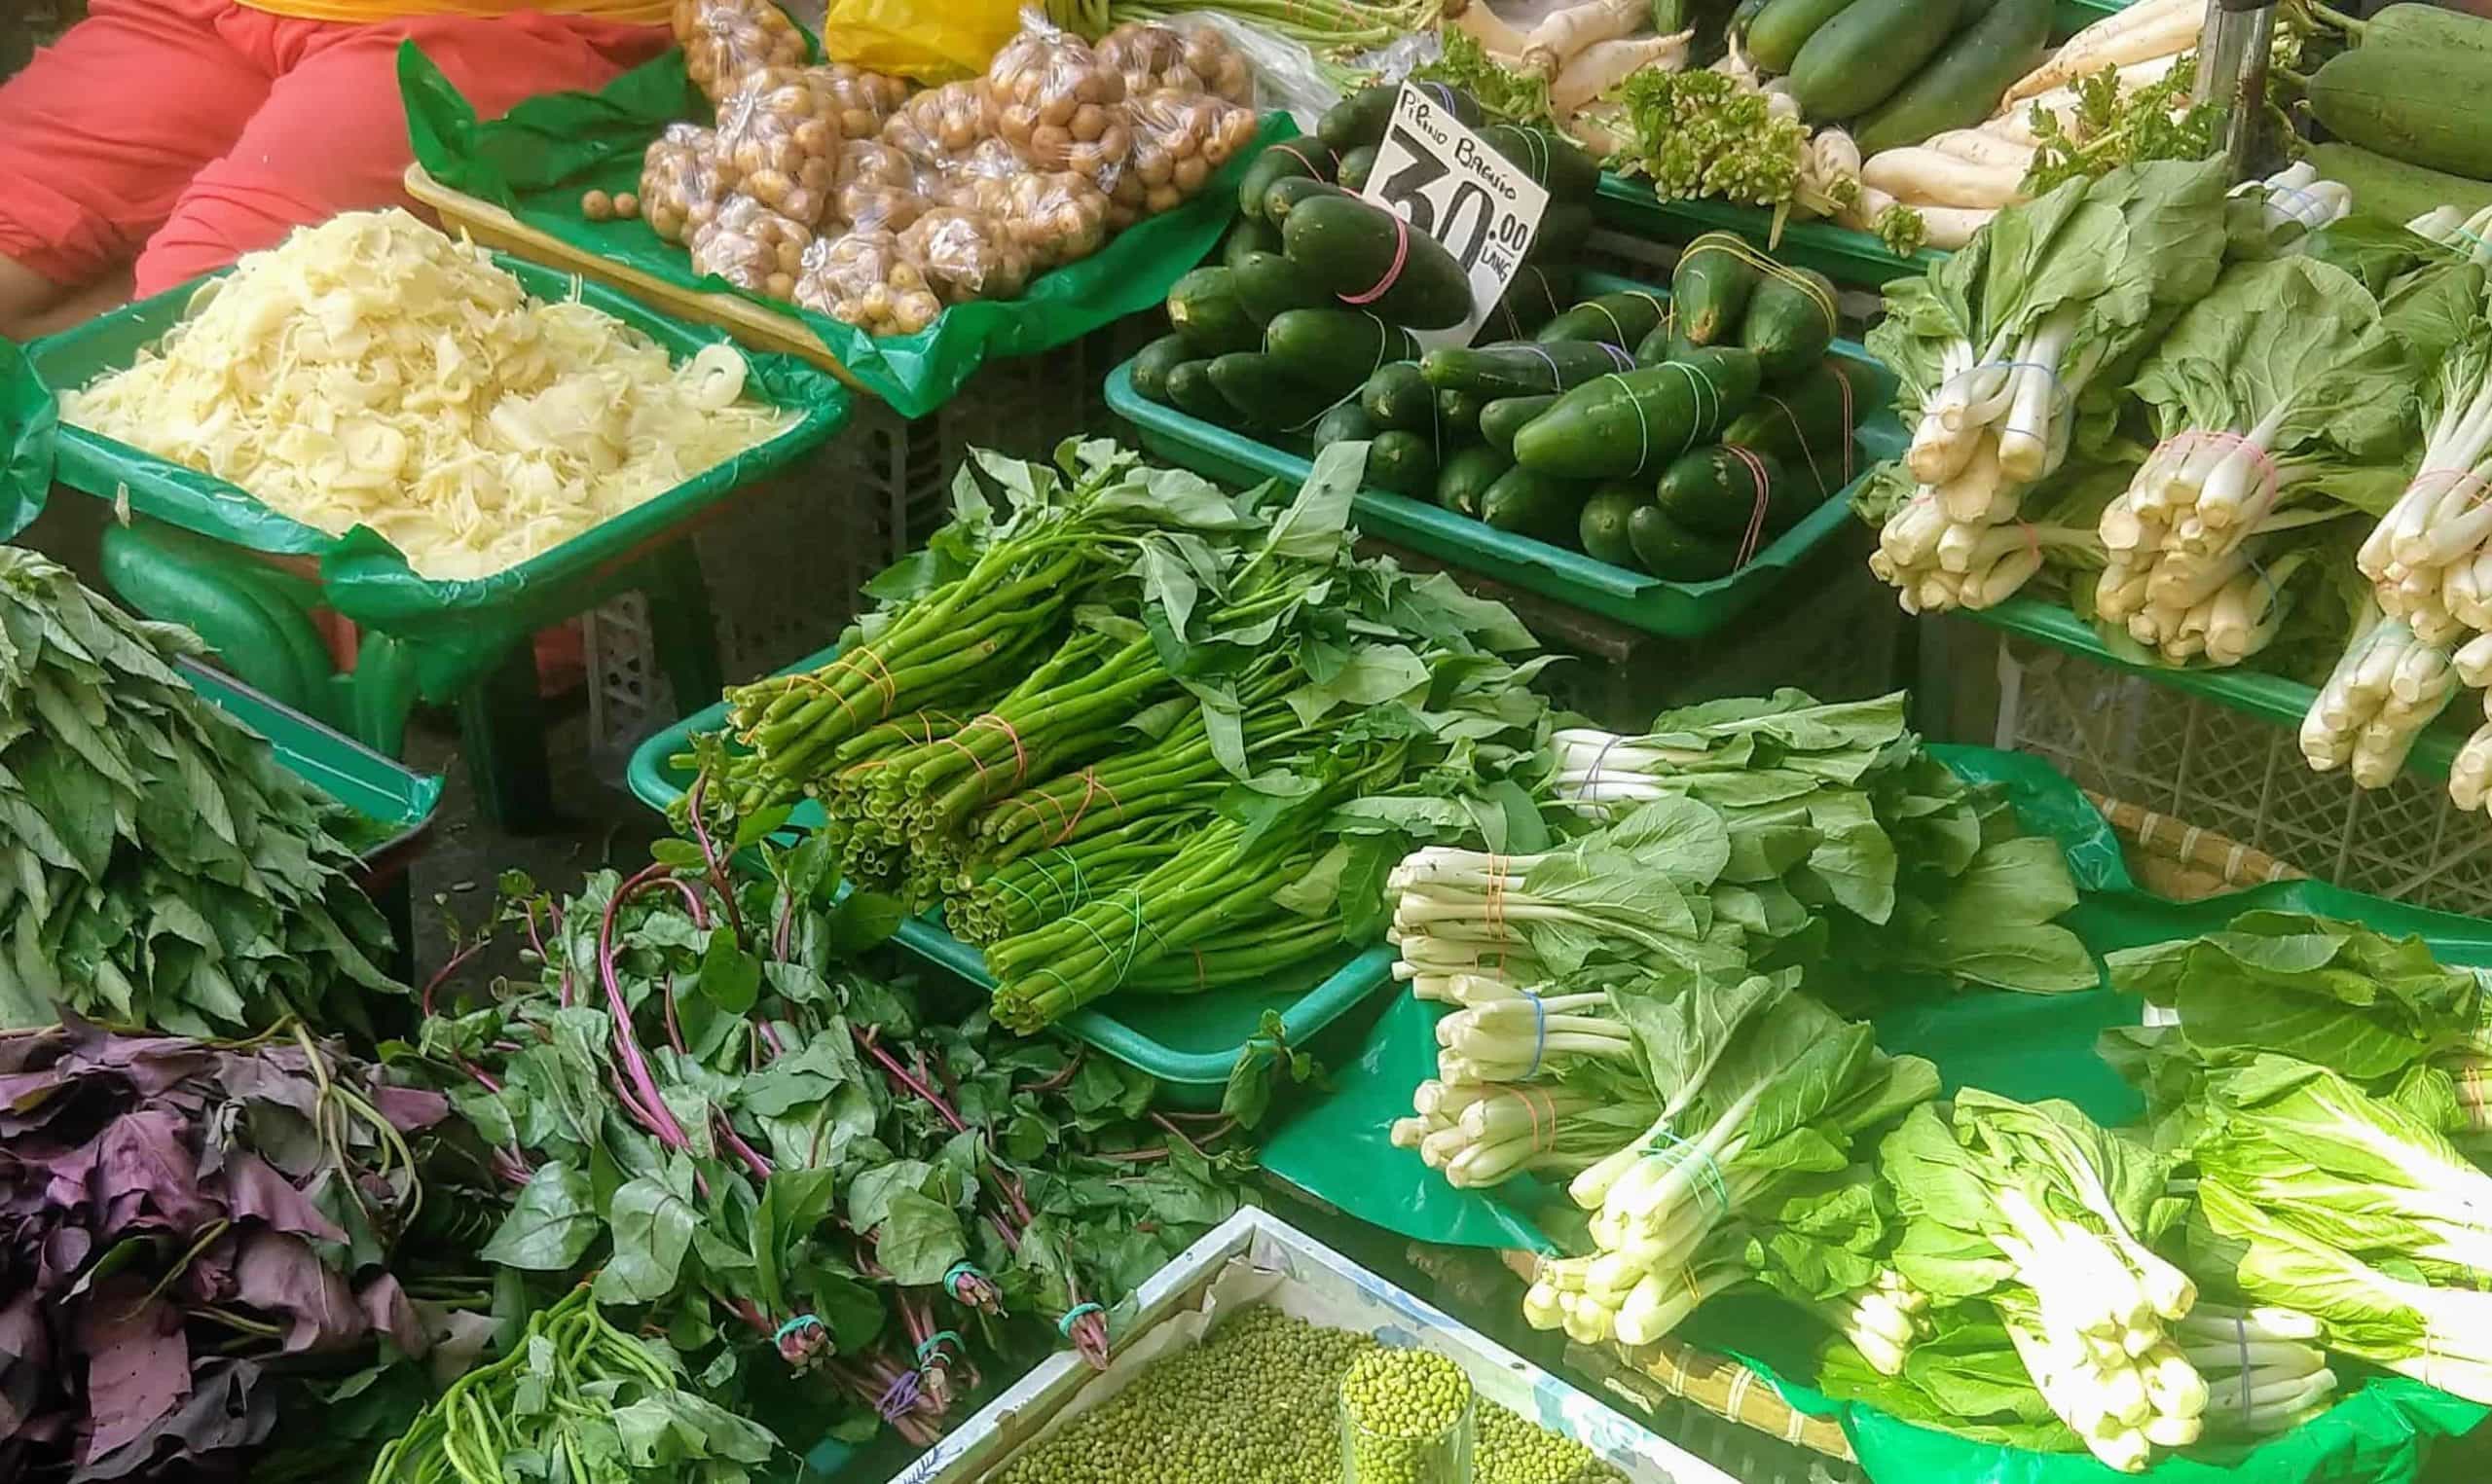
pixel 2232 75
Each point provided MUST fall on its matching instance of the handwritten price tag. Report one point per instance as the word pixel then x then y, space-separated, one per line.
pixel 1450 183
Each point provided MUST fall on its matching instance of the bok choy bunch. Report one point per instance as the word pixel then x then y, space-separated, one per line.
pixel 2007 347
pixel 2052 1219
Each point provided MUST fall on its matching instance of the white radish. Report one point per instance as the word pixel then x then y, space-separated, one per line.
pixel 1564 34
pixel 1980 148
pixel 2140 33
pixel 1498 36
pixel 1925 177
pixel 1604 64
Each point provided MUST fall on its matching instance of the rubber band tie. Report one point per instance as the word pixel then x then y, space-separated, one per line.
pixel 958 1271
pixel 932 1344
pixel 1531 1110
pixel 1298 154
pixel 1676 1150
pixel 2241 1336
pixel 2464 235
pixel 1842 378
pixel 1764 483
pixel 1610 315
pixel 1644 453
pixel 1325 411
pixel 1393 270
pixel 1556 381
pixel 898 1397
pixel 1591 779
pixel 2182 443
pixel 1091 788
pixel 797 1325
pixel 1687 1275
pixel 1494 912
pixel 1539 1032
pixel 1075 1315
pixel 1617 356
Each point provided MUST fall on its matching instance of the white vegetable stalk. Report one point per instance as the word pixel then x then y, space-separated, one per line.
pixel 2382 694
pixel 2123 1399
pixel 2469 236
pixel 2296 200
pixel 1936 563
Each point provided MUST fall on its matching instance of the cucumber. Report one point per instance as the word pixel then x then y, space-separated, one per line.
pixel 2392 188
pixel 1781 27
pixel 2429 27
pixel 1403 463
pixel 1961 87
pixel 1564 227
pixel 1252 235
pixel 1857 60
pixel 1717 492
pixel 1204 308
pixel 1561 167
pixel 1458 413
pixel 1453 101
pixel 1345 422
pixel 1153 363
pixel 1355 167
pixel 1268 285
pixel 1533 504
pixel 1357 120
pixel 2414 106
pixel 1396 396
pixel 1807 424
pixel 1622 319
pixel 1287 159
pixel 1637 421
pixel 1710 288
pixel 1336 349
pixel 1467 475
pixel 1367 254
pixel 1288 190
pixel 1189 392
pixel 1523 369
pixel 1536 294
pixel 1790 322
pixel 1601 529
pixel 1670 551
pixel 1743 16
pixel 1502 419
pixel 1665 343
pixel 1265 394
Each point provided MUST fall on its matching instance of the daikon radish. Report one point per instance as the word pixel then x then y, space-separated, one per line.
pixel 1924 177
pixel 2140 33
pixel 1980 148
pixel 1501 38
pixel 1865 209
pixel 1562 35
pixel 1951 227
pixel 1604 64
pixel 2063 101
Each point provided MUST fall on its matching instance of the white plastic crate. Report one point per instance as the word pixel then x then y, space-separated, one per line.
pixel 1256 1258
pixel 2243 777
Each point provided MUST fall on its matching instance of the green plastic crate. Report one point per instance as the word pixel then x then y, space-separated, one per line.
pixel 1684 610
pixel 396 802
pixel 1190 1042
pixel 1853 259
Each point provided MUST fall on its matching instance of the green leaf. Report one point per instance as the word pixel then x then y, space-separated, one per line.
pixel 1312 527
pixel 549 1226
pixel 652 1228
pixel 918 1239
pixel 731 977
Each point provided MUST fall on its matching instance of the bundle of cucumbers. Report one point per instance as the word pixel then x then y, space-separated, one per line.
pixel 2400 104
pixel 1673 435
pixel 1900 70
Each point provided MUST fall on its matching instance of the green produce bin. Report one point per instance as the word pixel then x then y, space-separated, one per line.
pixel 1682 610
pixel 1190 1042
pixel 196 550
pixel 2271 698
pixel 1853 259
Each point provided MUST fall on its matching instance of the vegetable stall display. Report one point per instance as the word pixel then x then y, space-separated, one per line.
pixel 838 191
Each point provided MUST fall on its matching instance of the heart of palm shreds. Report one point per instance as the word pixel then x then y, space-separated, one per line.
pixel 160 868
pixel 1133 732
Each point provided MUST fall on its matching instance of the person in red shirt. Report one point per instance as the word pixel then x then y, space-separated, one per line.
pixel 160 139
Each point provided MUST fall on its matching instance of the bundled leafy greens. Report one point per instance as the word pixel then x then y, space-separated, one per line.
pixel 1132 731
pixel 161 869
pixel 185 1227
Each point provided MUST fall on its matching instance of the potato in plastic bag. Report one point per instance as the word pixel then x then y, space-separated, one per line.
pixel 980 179
pixel 1151 55
pixel 1181 138
pixel 866 280
pixel 679 184
pixel 858 100
pixel 753 248
pixel 938 123
pixel 727 40
pixel 1052 97
pixel 1054 218
pixel 779 143
pixel 967 255
pixel 880 186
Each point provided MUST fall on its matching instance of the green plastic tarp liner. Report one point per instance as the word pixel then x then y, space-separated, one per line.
pixel 29 417
pixel 540 160
pixel 461 627
pixel 2023 1046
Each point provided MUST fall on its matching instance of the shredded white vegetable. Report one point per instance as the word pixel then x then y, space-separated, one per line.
pixel 373 371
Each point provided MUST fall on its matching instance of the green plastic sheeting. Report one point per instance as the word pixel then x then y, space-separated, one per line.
pixel 2024 1046
pixel 540 160
pixel 28 428
pixel 462 628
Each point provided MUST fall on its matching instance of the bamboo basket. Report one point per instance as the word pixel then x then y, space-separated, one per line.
pixel 1728 1414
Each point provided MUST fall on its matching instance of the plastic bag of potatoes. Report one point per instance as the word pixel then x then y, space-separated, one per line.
pixel 967 255
pixel 1054 98
pixel 727 40
pixel 680 186
pixel 1150 57
pixel 753 248
pixel 868 279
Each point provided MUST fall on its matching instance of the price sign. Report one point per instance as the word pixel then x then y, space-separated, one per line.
pixel 1450 183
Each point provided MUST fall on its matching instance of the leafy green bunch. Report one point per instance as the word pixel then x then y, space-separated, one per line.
pixel 1707 134
pixel 162 869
